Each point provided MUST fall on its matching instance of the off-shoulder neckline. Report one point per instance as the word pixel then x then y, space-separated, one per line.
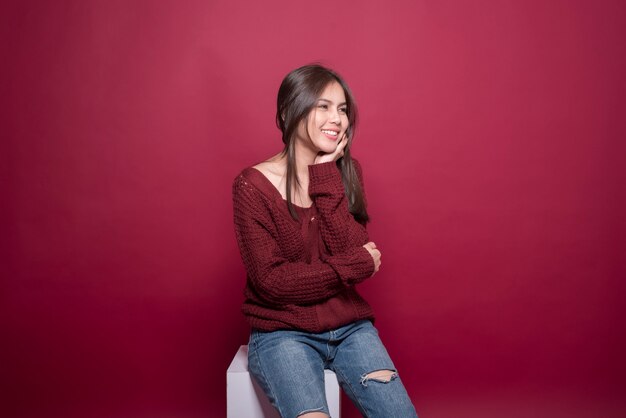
pixel 273 189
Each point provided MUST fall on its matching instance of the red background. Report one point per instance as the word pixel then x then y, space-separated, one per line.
pixel 492 141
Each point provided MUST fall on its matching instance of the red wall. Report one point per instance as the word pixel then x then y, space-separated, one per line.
pixel 492 141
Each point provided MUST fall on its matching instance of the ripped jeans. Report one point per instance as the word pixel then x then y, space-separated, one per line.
pixel 289 366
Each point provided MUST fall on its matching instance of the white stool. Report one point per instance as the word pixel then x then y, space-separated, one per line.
pixel 245 399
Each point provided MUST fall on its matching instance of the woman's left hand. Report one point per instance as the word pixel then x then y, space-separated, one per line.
pixel 334 156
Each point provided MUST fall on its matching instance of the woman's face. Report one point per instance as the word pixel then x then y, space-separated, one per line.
pixel 327 121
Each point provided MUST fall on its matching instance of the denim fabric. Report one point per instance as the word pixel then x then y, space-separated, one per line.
pixel 289 366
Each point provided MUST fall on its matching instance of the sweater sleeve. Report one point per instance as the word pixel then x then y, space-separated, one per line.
pixel 276 279
pixel 340 231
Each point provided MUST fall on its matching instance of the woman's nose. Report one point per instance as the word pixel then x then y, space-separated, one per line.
pixel 334 116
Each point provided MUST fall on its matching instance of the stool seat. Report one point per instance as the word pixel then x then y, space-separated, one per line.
pixel 245 399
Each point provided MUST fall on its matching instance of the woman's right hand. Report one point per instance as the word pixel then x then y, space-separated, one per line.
pixel 371 247
pixel 335 155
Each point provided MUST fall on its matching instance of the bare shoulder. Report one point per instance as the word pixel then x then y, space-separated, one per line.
pixel 273 170
pixel 266 167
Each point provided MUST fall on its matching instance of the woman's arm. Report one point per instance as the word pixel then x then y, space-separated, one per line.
pixel 340 231
pixel 276 279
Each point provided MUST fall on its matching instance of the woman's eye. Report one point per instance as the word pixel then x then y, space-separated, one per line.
pixel 343 110
pixel 323 106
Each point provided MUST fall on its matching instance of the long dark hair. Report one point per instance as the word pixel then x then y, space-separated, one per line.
pixel 297 95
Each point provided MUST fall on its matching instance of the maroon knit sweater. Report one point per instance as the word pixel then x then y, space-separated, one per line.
pixel 301 274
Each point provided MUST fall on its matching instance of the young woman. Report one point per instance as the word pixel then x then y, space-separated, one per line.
pixel 300 224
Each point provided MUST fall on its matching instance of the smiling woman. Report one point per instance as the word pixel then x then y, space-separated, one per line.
pixel 329 117
pixel 300 221
pixel 312 98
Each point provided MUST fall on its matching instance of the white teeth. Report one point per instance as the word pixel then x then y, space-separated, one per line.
pixel 333 133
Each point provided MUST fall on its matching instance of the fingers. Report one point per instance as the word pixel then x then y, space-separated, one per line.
pixel 343 144
pixel 336 154
pixel 377 261
pixel 375 253
pixel 340 148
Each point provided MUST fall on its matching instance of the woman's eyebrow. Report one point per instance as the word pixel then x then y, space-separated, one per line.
pixel 330 101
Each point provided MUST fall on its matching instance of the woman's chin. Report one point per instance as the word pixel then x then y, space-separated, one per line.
pixel 328 149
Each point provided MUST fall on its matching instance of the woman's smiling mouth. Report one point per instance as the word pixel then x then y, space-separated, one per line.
pixel 330 134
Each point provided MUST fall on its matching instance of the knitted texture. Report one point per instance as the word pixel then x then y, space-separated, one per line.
pixel 300 273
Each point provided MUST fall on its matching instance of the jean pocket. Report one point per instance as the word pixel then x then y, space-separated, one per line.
pixel 255 339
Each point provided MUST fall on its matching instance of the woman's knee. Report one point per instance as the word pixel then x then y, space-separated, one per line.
pixel 382 376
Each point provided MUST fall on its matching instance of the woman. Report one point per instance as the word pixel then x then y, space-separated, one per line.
pixel 300 224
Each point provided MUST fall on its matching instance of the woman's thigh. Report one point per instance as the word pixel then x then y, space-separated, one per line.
pixel 358 357
pixel 289 370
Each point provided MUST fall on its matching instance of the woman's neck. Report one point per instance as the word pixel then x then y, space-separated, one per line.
pixel 304 158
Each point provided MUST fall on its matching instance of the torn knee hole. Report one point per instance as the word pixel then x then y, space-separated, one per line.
pixel 313 413
pixel 381 376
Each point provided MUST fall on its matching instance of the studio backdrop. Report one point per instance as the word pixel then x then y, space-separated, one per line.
pixel 491 137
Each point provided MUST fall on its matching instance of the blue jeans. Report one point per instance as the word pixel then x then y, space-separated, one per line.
pixel 289 366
